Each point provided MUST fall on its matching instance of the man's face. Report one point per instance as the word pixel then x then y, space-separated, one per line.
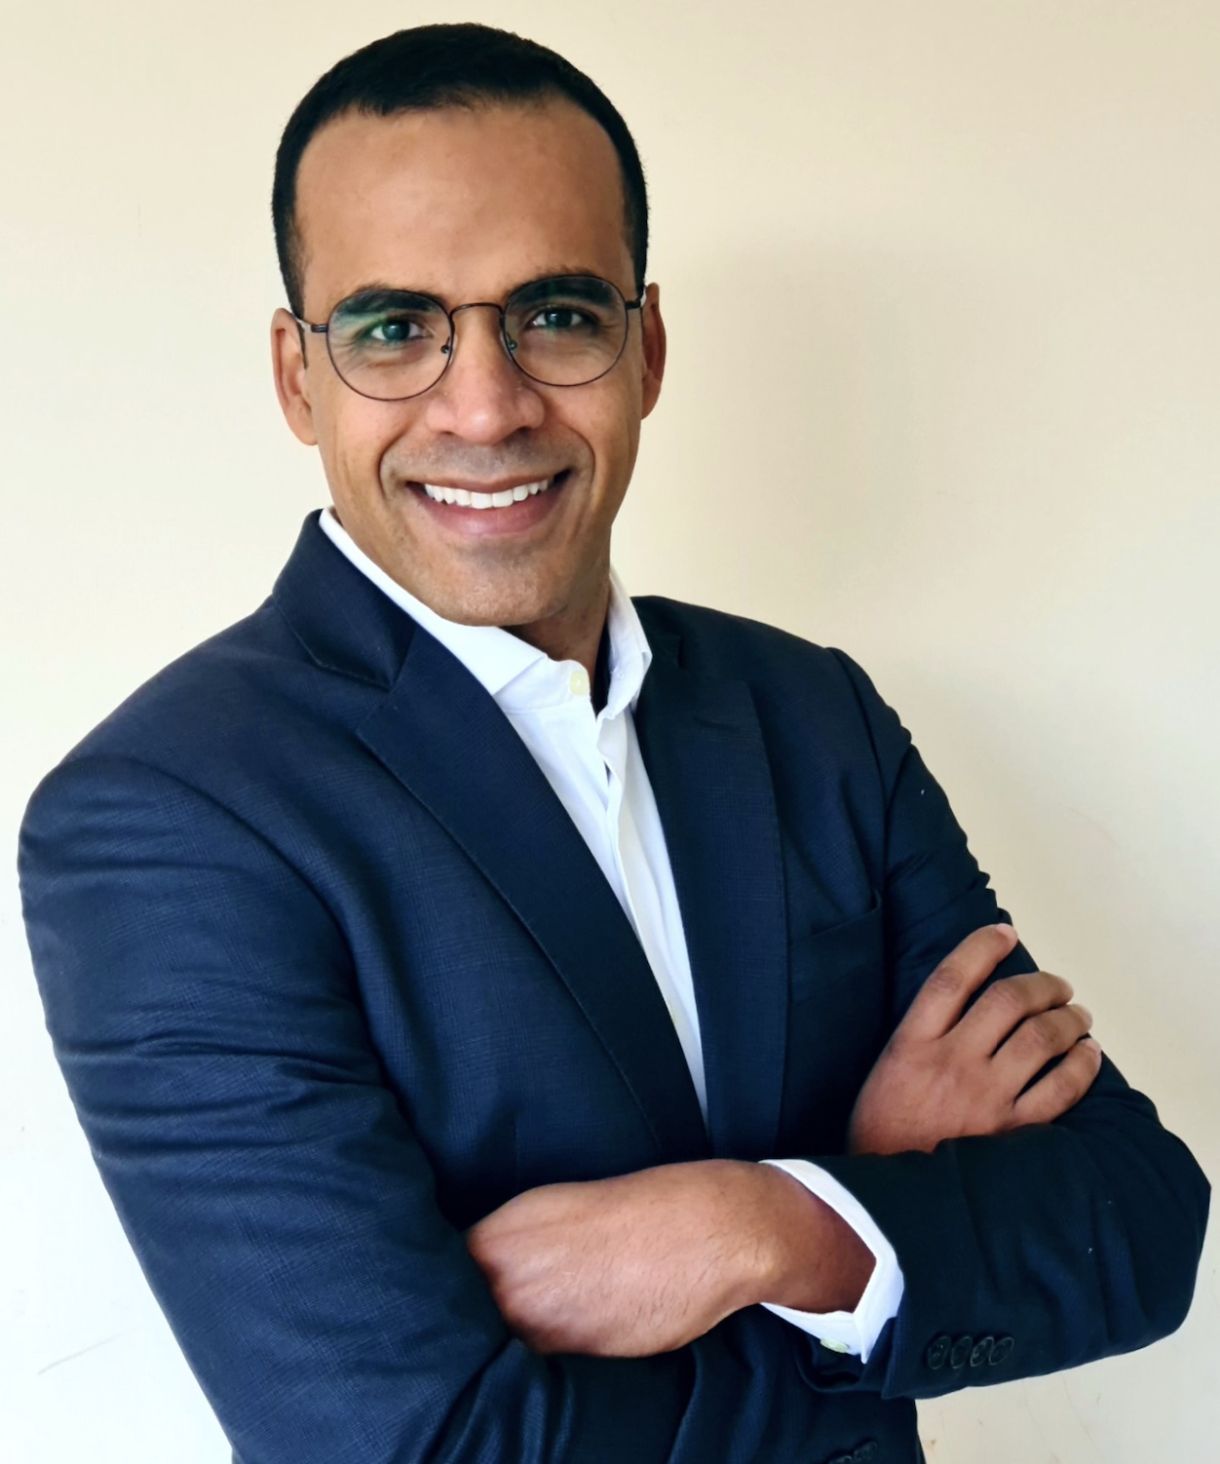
pixel 466 205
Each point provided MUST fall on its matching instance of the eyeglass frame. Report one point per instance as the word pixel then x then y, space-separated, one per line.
pixel 447 350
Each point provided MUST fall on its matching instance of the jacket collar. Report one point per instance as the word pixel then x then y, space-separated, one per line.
pixel 517 675
pixel 342 620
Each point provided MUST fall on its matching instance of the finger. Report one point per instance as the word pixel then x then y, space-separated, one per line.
pixel 1000 1010
pixel 1062 1088
pixel 1039 1040
pixel 943 996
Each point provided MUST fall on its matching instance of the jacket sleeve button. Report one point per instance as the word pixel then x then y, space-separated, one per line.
pixel 1002 1348
pixel 938 1351
pixel 962 1349
pixel 982 1351
pixel 866 1451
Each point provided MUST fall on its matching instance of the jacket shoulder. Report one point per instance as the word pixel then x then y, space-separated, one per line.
pixel 799 688
pixel 198 689
pixel 714 642
pixel 706 633
pixel 217 720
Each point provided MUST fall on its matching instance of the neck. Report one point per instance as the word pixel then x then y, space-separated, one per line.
pixel 571 637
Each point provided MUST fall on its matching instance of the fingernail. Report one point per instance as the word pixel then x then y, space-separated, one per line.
pixel 1005 929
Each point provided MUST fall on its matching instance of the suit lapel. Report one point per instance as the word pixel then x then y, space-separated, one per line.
pixel 443 736
pixel 706 760
pixel 439 732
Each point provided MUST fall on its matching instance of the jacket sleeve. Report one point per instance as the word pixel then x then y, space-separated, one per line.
pixel 204 1010
pixel 1025 1252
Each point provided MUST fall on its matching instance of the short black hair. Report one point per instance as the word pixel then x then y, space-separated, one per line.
pixel 433 66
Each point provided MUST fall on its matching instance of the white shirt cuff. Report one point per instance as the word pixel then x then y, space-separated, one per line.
pixel 855 1332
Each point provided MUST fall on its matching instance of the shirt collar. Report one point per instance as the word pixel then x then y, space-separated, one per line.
pixel 519 676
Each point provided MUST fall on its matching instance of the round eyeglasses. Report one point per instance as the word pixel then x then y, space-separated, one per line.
pixel 390 345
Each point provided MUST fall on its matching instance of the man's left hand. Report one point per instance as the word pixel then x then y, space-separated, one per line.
pixel 647 1262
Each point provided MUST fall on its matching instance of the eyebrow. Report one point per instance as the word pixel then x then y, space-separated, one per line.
pixel 561 271
pixel 578 286
pixel 378 295
pixel 371 299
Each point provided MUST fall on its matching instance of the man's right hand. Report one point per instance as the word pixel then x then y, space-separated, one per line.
pixel 947 1072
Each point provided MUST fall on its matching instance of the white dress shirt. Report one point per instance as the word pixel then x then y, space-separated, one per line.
pixel 592 761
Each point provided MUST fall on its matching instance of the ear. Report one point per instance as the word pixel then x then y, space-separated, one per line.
pixel 291 376
pixel 654 348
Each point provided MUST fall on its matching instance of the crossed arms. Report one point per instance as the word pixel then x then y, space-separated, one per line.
pixel 647 1262
pixel 202 997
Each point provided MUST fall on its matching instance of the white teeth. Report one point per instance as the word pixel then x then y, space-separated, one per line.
pixel 467 498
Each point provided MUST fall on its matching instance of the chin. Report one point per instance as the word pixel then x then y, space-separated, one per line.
pixel 483 607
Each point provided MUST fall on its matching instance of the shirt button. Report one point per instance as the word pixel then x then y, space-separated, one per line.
pixel 578 682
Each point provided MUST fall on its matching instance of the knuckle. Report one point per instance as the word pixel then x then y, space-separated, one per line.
pixel 1039 1038
pixel 1065 1093
pixel 1071 1078
pixel 1085 1057
pixel 1063 1082
pixel 1009 998
pixel 1041 1035
pixel 946 980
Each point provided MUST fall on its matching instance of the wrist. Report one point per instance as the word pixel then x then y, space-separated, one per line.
pixel 809 1257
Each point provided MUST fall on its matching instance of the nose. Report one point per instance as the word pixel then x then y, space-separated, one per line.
pixel 482 397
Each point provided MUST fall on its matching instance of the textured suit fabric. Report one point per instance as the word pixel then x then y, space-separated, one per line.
pixel 331 975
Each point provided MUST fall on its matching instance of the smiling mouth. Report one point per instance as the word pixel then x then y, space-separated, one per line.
pixel 499 498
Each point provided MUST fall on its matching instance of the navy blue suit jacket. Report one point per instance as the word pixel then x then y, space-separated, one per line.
pixel 331 975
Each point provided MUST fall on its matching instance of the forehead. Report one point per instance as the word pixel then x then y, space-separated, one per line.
pixel 464 203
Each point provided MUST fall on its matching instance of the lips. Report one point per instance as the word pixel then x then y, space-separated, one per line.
pixel 499 498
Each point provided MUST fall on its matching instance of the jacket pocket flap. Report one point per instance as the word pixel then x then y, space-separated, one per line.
pixel 853 950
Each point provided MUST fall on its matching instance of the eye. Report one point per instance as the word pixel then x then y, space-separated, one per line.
pixel 561 319
pixel 386 329
pixel 393 330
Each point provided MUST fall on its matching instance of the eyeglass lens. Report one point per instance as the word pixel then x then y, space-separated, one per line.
pixel 392 344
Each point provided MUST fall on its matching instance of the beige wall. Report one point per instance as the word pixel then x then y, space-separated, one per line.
pixel 979 448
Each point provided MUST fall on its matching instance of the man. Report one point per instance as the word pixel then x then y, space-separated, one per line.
pixel 433 956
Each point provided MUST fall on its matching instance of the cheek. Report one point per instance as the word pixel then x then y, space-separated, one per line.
pixel 354 438
pixel 612 434
pixel 619 461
